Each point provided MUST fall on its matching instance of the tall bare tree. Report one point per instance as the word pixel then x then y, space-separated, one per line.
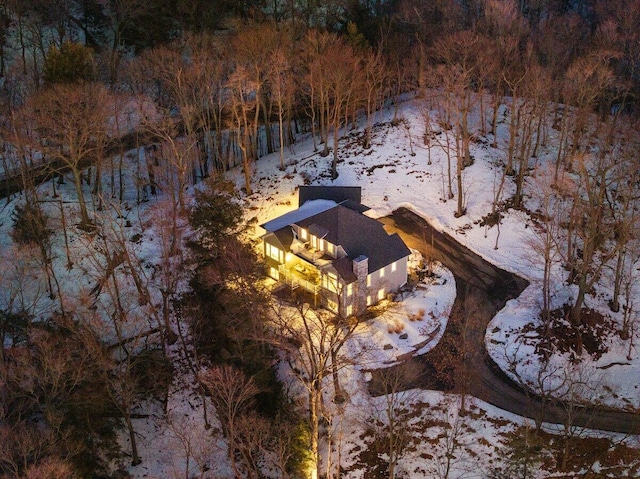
pixel 375 83
pixel 457 74
pixel 552 209
pixel 591 223
pixel 282 88
pixel 70 138
pixel 313 341
pixel 233 395
pixel 392 415
pixel 332 72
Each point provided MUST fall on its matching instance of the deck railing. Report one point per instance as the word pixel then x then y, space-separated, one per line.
pixel 294 280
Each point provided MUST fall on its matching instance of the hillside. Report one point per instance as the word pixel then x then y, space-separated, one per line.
pixel 398 170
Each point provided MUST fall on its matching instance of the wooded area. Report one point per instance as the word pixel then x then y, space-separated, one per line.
pixel 200 87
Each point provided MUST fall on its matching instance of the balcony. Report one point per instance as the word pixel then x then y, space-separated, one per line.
pixel 306 252
pixel 299 277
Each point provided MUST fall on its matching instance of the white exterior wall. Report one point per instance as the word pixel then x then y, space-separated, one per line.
pixel 387 279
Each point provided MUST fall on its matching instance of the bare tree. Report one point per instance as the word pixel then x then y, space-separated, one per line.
pixel 114 320
pixel 69 138
pixel 194 444
pixel 580 384
pixel 457 74
pixel 46 401
pixel 333 71
pixel 375 81
pixel 552 211
pixel 501 58
pixel 24 447
pixel 394 413
pixel 281 84
pixel 625 214
pixel 344 74
pixel 51 468
pixel 122 15
pixel 451 454
pixel 313 341
pixel 591 223
pixel 454 361
pixel 232 394
pixel 253 48
pixel 244 109
pixel 586 80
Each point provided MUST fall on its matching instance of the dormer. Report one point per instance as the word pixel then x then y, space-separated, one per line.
pixel 300 234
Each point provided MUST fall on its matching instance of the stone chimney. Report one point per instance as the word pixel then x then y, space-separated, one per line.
pixel 361 270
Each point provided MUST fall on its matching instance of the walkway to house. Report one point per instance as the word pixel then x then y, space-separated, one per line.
pixel 488 288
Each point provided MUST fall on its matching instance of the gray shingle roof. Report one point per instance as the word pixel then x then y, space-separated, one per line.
pixel 285 236
pixel 359 235
pixel 344 267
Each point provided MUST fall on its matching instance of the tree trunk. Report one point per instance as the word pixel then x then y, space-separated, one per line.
pixel 135 458
pixel 246 166
pixel 617 282
pixel 314 416
pixel 85 222
pixel 281 135
pixel 334 161
pixel 459 165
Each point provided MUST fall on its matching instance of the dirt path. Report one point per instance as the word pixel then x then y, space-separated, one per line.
pixel 482 290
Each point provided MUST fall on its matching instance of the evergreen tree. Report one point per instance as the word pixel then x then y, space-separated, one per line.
pixel 71 63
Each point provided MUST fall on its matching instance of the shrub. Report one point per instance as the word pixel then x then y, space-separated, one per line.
pixel 30 225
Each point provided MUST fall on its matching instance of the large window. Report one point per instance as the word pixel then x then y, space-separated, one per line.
pixel 273 272
pixel 274 253
pixel 349 289
pixel 330 282
pixel 381 294
pixel 303 234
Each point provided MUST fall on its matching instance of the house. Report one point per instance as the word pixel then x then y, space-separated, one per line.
pixel 328 247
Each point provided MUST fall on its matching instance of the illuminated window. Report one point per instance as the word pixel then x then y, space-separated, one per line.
pixel 332 305
pixel 273 272
pixel 350 310
pixel 381 294
pixel 382 273
pixel 273 252
pixel 330 249
pixel 369 301
pixel 350 289
pixel 321 245
pixel 303 234
pixel 394 266
pixel 369 280
pixel 330 282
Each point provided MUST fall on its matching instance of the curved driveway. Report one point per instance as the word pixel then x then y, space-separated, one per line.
pixel 482 290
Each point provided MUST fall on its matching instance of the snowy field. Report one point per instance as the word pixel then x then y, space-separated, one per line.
pixel 393 173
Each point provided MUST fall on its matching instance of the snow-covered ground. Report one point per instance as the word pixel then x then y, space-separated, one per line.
pixel 393 173
pixel 392 177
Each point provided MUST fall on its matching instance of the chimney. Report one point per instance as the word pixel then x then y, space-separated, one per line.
pixel 361 270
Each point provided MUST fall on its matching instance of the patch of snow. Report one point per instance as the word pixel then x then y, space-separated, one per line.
pixel 308 209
